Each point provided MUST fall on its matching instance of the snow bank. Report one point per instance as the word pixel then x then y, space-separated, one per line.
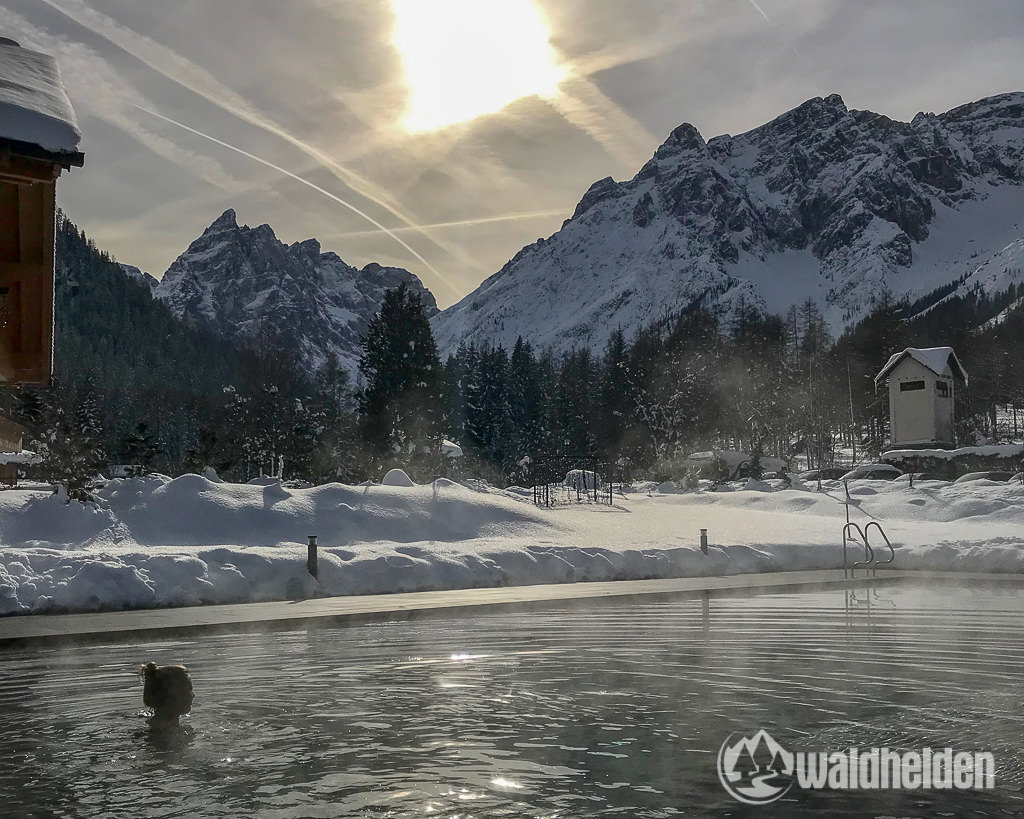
pixel 154 541
pixel 397 477
pixel 157 541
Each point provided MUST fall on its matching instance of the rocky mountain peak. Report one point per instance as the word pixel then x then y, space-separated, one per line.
pixel 683 138
pixel 823 202
pixel 228 220
pixel 239 281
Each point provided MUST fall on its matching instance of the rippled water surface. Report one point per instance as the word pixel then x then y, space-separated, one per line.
pixel 609 709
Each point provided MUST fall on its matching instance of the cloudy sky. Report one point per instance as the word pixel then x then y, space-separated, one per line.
pixel 465 128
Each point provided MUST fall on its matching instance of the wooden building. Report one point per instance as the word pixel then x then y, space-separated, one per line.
pixel 922 387
pixel 38 140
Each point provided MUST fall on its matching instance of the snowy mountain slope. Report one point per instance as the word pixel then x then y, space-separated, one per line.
pixel 824 201
pixel 140 276
pixel 237 280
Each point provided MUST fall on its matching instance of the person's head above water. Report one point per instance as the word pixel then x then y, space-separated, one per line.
pixel 168 691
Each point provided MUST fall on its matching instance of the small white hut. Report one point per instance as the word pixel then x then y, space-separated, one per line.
pixel 922 384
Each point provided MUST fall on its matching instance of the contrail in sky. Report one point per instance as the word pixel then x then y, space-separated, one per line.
pixel 760 10
pixel 508 217
pixel 196 79
pixel 311 185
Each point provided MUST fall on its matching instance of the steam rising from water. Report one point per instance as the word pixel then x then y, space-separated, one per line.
pixel 611 707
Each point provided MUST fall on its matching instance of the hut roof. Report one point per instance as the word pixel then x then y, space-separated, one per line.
pixel 935 359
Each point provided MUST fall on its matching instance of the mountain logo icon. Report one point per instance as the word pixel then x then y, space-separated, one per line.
pixel 755 770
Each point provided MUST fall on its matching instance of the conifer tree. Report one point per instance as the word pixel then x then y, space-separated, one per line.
pixel 613 415
pixel 141 448
pixel 400 408
pixel 67 438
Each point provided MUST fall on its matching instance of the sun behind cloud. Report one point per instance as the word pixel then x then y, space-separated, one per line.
pixel 466 58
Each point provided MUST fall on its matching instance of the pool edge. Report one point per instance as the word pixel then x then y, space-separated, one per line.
pixel 169 622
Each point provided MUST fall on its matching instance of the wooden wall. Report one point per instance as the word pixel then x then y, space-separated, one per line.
pixel 10 435
pixel 27 210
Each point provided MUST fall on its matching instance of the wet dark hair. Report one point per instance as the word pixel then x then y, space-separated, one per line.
pixel 167 690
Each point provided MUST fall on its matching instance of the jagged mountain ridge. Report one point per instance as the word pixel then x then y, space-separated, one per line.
pixel 823 202
pixel 140 277
pixel 236 280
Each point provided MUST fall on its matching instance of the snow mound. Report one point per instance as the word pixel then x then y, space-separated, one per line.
pixel 153 541
pixel 397 477
pixel 450 449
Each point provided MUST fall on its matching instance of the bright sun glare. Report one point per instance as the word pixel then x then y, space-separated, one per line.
pixel 465 58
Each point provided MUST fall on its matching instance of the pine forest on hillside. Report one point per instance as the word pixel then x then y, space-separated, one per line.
pixel 136 386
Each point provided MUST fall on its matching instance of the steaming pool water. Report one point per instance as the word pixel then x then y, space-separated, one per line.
pixel 612 708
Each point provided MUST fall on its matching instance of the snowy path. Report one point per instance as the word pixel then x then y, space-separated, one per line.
pixel 154 542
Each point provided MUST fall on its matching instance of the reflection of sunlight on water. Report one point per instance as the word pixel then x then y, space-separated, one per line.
pixel 616 708
pixel 463 794
pixel 508 784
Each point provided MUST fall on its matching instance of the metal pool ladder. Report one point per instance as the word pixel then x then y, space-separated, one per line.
pixel 852 533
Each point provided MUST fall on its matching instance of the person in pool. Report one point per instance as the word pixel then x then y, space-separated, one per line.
pixel 168 691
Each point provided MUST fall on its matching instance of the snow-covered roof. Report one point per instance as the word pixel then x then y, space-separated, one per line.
pixel 985 451
pixel 450 449
pixel 935 359
pixel 23 457
pixel 34 106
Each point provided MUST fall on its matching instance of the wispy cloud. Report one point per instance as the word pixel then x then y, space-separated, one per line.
pixel 584 105
pixel 196 79
pixel 98 89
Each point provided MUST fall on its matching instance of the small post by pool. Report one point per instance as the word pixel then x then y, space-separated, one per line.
pixel 311 558
pixel 704 540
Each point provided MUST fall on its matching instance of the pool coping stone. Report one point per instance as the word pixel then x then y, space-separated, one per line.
pixel 170 622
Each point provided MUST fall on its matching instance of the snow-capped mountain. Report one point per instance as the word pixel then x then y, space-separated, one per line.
pixel 823 202
pixel 236 280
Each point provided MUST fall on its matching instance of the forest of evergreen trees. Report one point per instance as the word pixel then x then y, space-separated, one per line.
pixel 135 386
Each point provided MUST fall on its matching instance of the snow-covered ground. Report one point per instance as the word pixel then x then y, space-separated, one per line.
pixel 154 541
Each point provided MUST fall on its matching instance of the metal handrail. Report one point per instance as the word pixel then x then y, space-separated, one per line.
pixel 881 531
pixel 869 553
pixel 870 562
pixel 851 532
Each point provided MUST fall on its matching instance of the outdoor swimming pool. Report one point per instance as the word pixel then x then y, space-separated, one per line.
pixel 616 708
